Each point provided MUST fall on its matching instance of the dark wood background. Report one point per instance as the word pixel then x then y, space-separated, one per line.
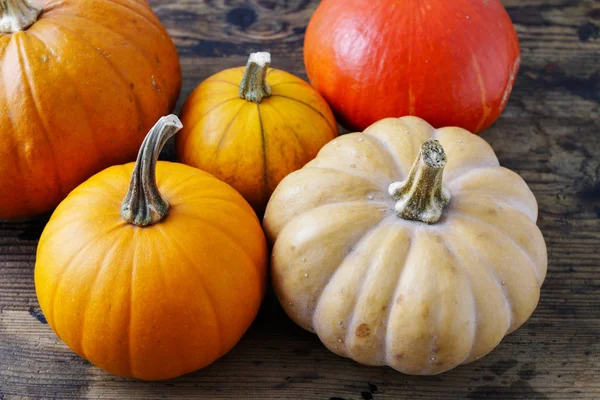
pixel 550 134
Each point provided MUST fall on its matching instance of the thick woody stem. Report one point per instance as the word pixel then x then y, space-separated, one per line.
pixel 144 205
pixel 254 86
pixel 18 15
pixel 422 197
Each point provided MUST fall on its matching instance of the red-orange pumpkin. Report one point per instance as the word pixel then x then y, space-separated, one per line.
pixel 82 82
pixel 452 63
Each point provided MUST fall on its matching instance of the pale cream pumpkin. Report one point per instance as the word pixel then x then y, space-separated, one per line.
pixel 353 261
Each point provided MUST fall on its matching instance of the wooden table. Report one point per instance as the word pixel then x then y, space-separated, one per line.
pixel 550 134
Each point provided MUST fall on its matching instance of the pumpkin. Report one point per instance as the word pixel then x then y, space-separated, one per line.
pixel 421 266
pixel 154 278
pixel 83 81
pixel 452 63
pixel 252 126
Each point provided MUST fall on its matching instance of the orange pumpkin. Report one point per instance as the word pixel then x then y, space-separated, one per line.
pixel 253 126
pixel 83 81
pixel 157 281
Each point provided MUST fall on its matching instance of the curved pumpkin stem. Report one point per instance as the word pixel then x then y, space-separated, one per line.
pixel 422 197
pixel 18 15
pixel 254 85
pixel 144 205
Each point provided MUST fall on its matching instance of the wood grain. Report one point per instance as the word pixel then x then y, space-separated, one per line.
pixel 549 133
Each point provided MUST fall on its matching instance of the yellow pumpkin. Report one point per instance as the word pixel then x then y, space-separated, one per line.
pixel 407 246
pixel 252 126
pixel 156 277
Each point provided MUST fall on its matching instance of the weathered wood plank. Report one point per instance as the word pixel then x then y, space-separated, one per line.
pixel 549 134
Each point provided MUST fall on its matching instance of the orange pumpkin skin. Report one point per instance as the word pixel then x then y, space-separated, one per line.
pixel 452 63
pixel 253 146
pixel 80 89
pixel 154 302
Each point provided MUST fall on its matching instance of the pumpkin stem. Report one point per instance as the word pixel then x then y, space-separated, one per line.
pixel 422 197
pixel 144 205
pixel 254 85
pixel 18 15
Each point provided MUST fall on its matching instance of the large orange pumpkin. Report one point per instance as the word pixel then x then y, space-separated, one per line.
pixel 156 281
pixel 252 126
pixel 82 82
pixel 450 62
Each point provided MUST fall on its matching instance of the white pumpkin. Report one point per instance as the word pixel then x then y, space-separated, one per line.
pixel 420 268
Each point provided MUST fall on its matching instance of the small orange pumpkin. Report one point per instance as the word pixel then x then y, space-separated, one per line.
pixel 161 283
pixel 254 133
pixel 83 82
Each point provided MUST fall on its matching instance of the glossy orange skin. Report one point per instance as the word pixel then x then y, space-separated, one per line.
pixel 452 63
pixel 79 91
pixel 155 302
pixel 253 146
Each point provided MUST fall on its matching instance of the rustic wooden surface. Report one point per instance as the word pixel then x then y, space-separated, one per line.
pixel 550 134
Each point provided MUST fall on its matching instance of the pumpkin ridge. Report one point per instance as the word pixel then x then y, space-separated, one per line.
pixel 66 74
pixel 90 292
pixel 468 169
pixel 209 297
pixel 373 264
pixel 339 203
pixel 393 303
pixel 356 245
pixel 500 232
pixel 301 143
pixel 160 270
pixel 459 261
pixel 199 198
pixel 23 65
pixel 228 236
pixel 307 105
pixel 225 133
pixel 16 149
pixel 295 134
pixel 502 289
pixel 130 316
pixel 99 193
pixel 117 72
pixel 383 148
pixel 263 141
pixel 515 204
pixel 309 166
pixel 194 270
pixel 67 266
pixel 530 211
pixel 125 172
pixel 177 186
pixel 190 128
pixel 514 317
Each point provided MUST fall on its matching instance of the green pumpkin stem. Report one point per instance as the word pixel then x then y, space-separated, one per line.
pixel 422 197
pixel 254 85
pixel 18 15
pixel 144 205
